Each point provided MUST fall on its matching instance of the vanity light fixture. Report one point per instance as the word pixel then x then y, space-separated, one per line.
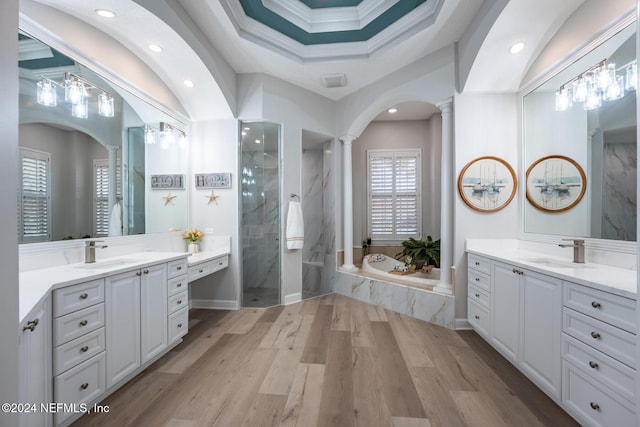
pixel 149 135
pixel 169 134
pixel 105 105
pixel 516 47
pixel 155 48
pixel 46 93
pixel 80 109
pixel 601 82
pixel 105 13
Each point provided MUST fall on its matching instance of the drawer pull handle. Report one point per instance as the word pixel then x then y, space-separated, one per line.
pixel 84 349
pixel 31 325
pixel 146 272
pixel 179 285
pixel 83 323
pixel 595 304
pixel 593 364
pixel 179 301
pixel 477 295
pixel 200 271
pixel 84 296
pixel 138 273
pixel 477 279
pixel 477 263
pixel 594 406
pixel 179 268
pixel 84 386
pixel 595 335
pixel 477 317
pixel 220 263
pixel 179 325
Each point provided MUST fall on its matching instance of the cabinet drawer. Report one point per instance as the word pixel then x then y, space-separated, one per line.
pixel 76 324
pixel 594 404
pixel 178 325
pixel 219 263
pixel 478 318
pixel 178 301
pixel 478 263
pixel 177 285
pixel 177 267
pixel 478 295
pixel 72 298
pixel 74 352
pixel 608 339
pixel 610 308
pixel 478 279
pixel 615 375
pixel 81 384
pixel 200 270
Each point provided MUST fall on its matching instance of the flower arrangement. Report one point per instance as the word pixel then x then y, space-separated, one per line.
pixel 193 236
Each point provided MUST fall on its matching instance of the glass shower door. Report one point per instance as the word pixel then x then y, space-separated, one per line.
pixel 260 213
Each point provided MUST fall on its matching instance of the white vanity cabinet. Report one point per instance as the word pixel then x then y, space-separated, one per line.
pixel 178 300
pixel 34 349
pixel 136 319
pixel 478 294
pixel 598 356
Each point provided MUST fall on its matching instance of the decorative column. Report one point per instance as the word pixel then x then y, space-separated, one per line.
pixel 113 172
pixel 447 179
pixel 347 193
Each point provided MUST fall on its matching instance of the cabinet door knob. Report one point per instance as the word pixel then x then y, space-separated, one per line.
pixel 83 323
pixel 146 272
pixel 138 273
pixel 200 271
pixel 179 325
pixel 31 325
pixel 179 301
pixel 594 406
pixel 84 386
pixel 84 349
pixel 477 317
pixel 477 279
pixel 595 335
pixel 179 285
pixel 84 296
pixel 595 304
pixel 179 268
pixel 477 295
pixel 477 263
pixel 593 364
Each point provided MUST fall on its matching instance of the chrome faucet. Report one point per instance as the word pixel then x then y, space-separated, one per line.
pixel 578 249
pixel 90 250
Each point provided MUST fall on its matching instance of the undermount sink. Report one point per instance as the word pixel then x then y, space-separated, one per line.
pixel 553 263
pixel 98 265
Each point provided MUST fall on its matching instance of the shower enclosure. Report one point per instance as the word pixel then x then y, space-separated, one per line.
pixel 260 213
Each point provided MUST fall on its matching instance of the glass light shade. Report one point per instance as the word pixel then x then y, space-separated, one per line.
pixel 46 93
pixel 594 100
pixel 605 76
pixel 105 105
pixel 563 100
pixel 149 135
pixel 182 141
pixel 615 90
pixel 632 77
pixel 80 109
pixel 74 91
pixel 580 90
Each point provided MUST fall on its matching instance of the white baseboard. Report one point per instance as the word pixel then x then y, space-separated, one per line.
pixel 217 304
pixel 462 324
pixel 292 298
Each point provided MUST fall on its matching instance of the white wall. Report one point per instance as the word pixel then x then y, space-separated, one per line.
pixel 391 135
pixel 8 210
pixel 485 125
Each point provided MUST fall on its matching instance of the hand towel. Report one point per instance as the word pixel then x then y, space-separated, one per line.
pixel 295 226
pixel 115 221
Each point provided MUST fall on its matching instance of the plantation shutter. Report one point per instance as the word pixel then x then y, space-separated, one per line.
pixel 394 194
pixel 102 210
pixel 35 203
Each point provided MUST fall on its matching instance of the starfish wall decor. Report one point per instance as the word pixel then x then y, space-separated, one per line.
pixel 212 198
pixel 168 199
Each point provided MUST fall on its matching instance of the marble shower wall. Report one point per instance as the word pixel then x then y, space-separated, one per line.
pixel 619 191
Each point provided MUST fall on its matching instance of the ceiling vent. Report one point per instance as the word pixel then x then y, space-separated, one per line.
pixel 334 80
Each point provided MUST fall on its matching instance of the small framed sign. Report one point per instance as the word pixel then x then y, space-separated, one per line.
pixel 167 182
pixel 213 180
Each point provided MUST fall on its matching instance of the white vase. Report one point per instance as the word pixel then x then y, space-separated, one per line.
pixel 193 247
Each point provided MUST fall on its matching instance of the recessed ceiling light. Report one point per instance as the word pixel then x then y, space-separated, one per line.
pixel 105 13
pixel 392 110
pixel 258 141
pixel 155 48
pixel 244 133
pixel 189 83
pixel 516 48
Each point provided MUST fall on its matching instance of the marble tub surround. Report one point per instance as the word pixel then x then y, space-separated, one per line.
pixel 422 304
pixel 547 260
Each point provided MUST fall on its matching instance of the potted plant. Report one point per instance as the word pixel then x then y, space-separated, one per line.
pixel 421 252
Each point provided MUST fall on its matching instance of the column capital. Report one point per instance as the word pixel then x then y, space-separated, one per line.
pixel 445 105
pixel 347 139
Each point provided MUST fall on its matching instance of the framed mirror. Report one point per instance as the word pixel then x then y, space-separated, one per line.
pixel 586 113
pixel 88 151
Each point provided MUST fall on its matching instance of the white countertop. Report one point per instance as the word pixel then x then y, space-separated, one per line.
pixel 618 281
pixel 36 284
pixel 198 257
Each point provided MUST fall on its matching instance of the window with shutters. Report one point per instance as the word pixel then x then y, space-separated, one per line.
pixel 34 220
pixel 102 210
pixel 394 211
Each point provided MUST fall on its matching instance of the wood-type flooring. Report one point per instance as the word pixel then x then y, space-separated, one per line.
pixel 327 361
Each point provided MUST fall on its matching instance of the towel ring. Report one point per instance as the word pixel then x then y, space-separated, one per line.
pixel 294 196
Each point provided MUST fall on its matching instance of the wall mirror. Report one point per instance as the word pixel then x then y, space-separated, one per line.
pixel 88 152
pixel 587 113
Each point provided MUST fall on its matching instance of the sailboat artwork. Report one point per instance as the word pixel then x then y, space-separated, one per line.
pixel 555 183
pixel 487 184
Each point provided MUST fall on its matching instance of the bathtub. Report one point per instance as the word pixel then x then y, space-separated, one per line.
pixel 381 269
